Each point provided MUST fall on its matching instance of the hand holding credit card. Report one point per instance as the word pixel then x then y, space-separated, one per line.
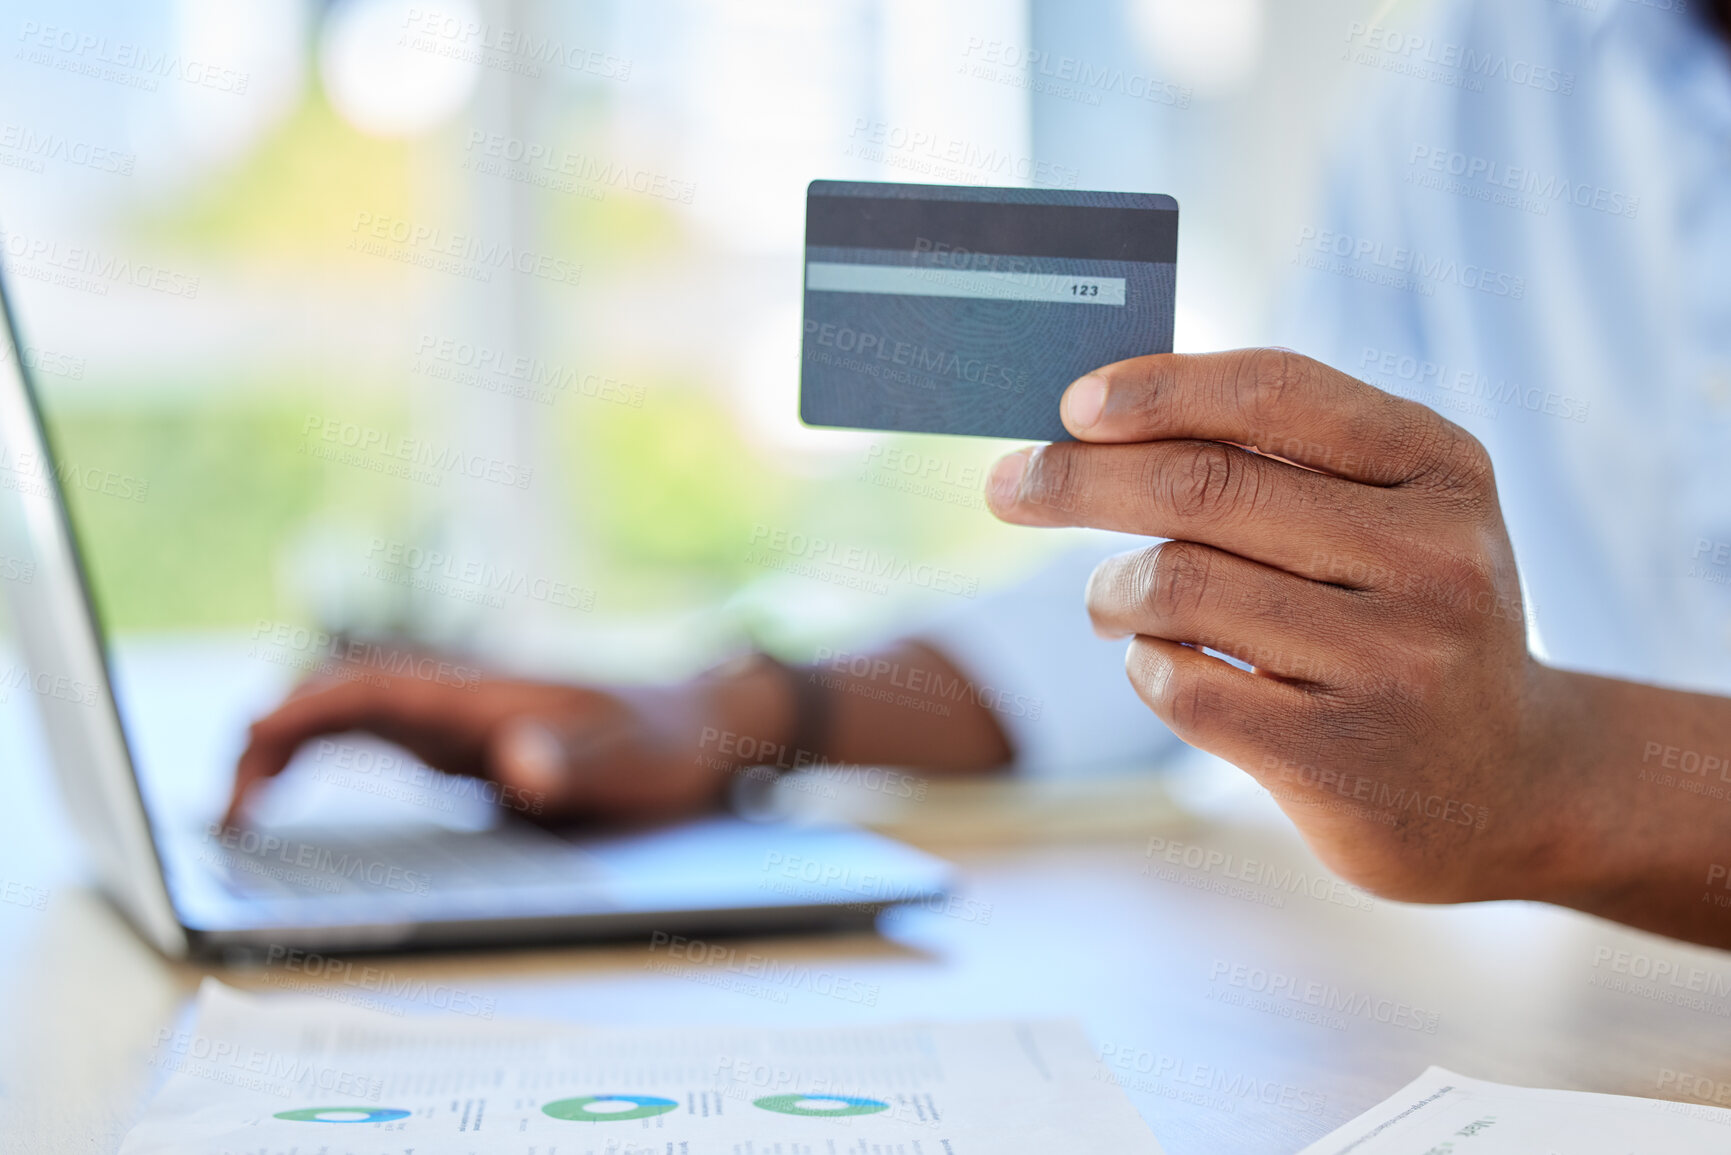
pixel 966 310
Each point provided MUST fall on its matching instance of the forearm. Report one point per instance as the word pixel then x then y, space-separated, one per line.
pixel 904 705
pixel 908 705
pixel 1642 805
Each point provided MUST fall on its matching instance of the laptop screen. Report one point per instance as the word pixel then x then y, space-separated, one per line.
pixel 65 665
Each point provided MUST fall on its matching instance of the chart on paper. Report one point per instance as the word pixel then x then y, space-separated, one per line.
pixel 288 1076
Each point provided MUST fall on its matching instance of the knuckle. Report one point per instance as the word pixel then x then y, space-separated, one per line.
pixel 1473 471
pixel 1389 686
pixel 1460 571
pixel 1467 595
pixel 1176 580
pixel 1444 567
pixel 1461 468
pixel 1267 381
pixel 1205 481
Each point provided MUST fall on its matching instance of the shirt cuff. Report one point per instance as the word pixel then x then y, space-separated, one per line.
pixel 1058 691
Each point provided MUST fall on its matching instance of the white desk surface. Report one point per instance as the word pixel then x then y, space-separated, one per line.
pixel 1158 969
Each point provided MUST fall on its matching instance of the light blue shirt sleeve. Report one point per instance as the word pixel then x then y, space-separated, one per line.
pixel 1059 692
pixel 1527 227
pixel 1347 299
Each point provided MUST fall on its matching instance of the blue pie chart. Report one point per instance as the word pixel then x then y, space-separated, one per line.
pixel 608 1108
pixel 820 1106
pixel 343 1114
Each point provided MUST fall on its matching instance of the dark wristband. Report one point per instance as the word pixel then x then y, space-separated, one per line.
pixel 805 742
pixel 809 735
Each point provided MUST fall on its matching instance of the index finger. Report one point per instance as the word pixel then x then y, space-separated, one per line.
pixel 304 715
pixel 1274 401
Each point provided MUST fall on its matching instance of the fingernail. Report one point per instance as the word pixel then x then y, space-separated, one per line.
pixel 1006 479
pixel 534 755
pixel 1083 402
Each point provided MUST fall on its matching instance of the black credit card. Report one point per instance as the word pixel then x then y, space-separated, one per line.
pixel 938 309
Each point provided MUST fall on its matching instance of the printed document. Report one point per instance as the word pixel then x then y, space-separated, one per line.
pixel 1442 1113
pixel 278 1076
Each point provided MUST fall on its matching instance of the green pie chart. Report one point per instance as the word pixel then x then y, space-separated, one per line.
pixel 820 1106
pixel 343 1114
pixel 608 1108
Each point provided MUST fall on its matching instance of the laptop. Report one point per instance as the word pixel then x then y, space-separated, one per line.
pixel 347 871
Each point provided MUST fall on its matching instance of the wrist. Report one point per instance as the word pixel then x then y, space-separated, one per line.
pixel 750 711
pixel 1559 814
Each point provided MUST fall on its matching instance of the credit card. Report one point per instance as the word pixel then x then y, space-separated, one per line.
pixel 939 309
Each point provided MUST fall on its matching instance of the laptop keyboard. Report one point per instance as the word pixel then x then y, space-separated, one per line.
pixel 288 863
